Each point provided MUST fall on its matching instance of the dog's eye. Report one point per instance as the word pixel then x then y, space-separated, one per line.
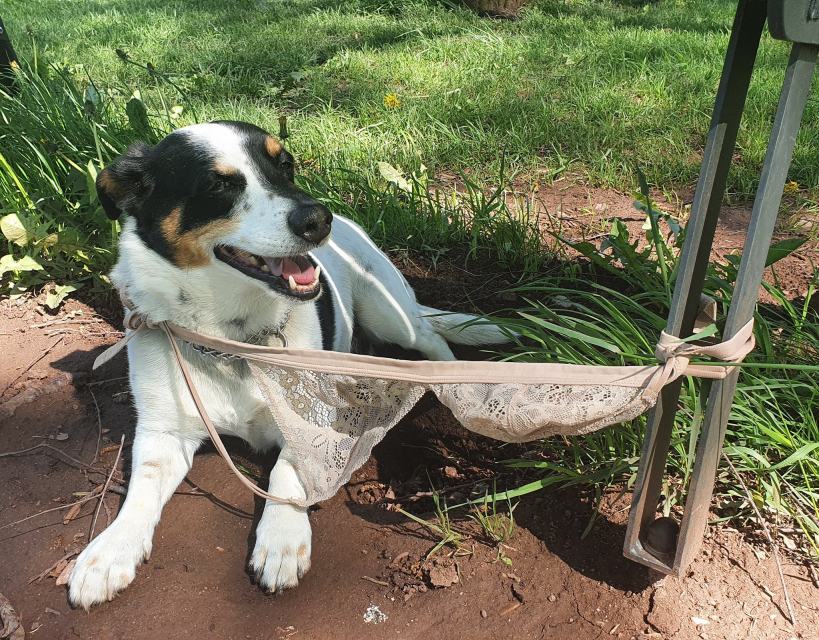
pixel 220 183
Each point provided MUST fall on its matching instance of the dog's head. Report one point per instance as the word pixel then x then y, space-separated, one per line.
pixel 221 194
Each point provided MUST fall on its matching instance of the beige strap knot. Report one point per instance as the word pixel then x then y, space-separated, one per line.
pixel 732 350
pixel 133 319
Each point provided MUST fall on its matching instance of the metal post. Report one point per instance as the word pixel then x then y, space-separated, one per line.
pixel 792 102
pixel 730 102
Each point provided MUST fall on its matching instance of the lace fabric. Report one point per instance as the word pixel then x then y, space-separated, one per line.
pixel 333 408
pixel 331 422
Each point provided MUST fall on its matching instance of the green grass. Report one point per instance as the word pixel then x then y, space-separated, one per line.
pixel 594 87
pixel 614 318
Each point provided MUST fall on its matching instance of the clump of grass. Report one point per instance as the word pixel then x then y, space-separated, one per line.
pixel 497 526
pixel 442 528
pixel 60 130
pixel 402 212
pixel 55 137
pixel 613 317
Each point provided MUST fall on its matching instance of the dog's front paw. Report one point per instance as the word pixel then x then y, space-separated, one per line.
pixel 107 566
pixel 282 552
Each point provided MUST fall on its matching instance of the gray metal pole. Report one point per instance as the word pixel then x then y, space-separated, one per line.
pixel 792 102
pixel 730 102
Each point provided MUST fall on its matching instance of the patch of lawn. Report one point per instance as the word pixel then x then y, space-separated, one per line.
pixel 595 87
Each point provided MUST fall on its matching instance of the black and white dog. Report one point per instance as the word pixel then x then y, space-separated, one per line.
pixel 218 239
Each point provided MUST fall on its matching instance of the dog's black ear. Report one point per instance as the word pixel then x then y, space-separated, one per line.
pixel 125 184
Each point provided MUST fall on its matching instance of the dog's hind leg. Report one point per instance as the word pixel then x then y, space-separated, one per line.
pixel 108 564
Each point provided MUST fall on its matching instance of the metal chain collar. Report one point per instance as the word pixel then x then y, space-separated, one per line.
pixel 270 331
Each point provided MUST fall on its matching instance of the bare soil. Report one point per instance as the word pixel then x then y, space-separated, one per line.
pixel 370 576
pixel 576 211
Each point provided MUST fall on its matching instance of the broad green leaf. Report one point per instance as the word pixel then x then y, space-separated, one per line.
pixel 50 240
pixel 91 181
pixel 800 454
pixel 393 176
pixel 14 230
pixel 783 249
pixel 58 294
pixel 569 333
pixel 26 263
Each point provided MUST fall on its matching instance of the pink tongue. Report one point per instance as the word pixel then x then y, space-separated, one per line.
pixel 290 268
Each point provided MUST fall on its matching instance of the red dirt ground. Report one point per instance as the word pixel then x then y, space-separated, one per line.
pixel 558 583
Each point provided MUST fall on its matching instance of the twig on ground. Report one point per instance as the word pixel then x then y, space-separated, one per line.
pixel 45 445
pixel 374 581
pixel 51 323
pixel 99 426
pixel 82 500
pixel 105 489
pixel 35 361
pixel 510 608
pixel 764 525
pixel 45 572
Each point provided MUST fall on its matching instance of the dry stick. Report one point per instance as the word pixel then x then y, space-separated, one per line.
pixel 99 426
pixel 45 572
pixel 44 445
pixel 51 323
pixel 35 361
pixel 105 489
pixel 375 581
pixel 767 533
pixel 82 500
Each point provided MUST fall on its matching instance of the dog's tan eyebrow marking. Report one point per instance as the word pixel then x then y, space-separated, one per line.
pixel 225 169
pixel 186 247
pixel 109 184
pixel 272 146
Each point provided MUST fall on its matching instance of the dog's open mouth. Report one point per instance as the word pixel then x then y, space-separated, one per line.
pixel 296 276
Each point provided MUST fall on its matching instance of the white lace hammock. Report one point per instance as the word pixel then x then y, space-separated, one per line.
pixel 332 408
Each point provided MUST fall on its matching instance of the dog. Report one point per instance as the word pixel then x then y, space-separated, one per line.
pixel 217 238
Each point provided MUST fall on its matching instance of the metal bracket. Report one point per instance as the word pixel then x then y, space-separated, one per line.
pixel 794 20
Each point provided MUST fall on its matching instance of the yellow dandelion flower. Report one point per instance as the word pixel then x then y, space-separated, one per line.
pixel 391 101
pixel 791 187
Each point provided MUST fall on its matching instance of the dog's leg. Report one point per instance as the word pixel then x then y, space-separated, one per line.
pixel 108 564
pixel 283 537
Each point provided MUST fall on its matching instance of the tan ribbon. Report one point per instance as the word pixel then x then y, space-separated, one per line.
pixel 674 354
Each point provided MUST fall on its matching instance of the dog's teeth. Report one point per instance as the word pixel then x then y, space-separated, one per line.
pixel 265 268
pixel 292 282
pixel 318 273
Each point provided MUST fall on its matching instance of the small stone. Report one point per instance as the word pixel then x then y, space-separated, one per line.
pixel 443 576
pixel 483 613
pixel 552 597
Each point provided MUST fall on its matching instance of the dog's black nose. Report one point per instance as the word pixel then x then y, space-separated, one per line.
pixel 311 222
